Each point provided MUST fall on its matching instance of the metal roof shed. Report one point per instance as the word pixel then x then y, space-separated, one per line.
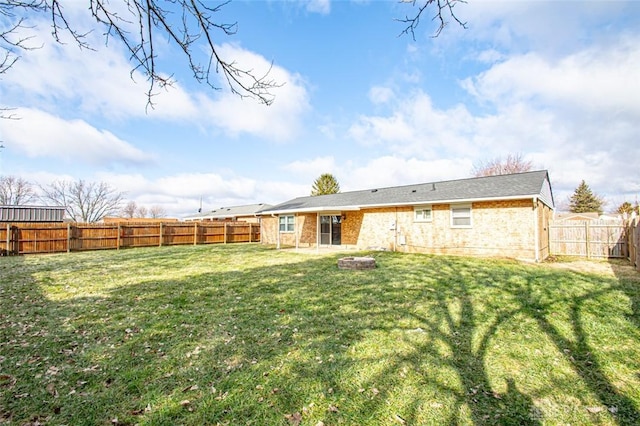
pixel 31 213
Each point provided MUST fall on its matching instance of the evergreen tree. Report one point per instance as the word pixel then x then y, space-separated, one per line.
pixel 584 200
pixel 325 184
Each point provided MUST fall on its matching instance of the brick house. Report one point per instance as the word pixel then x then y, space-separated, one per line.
pixel 504 216
pixel 246 213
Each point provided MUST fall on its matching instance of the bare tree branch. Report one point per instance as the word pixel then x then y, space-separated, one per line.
pixel 189 24
pixel 129 210
pixel 11 40
pixel 15 191
pixel 443 8
pixel 157 212
pixel 84 201
pixel 512 163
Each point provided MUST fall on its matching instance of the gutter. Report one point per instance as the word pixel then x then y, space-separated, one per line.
pixel 536 229
pixel 278 228
pixel 402 204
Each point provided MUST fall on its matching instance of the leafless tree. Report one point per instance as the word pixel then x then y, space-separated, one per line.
pixel 16 191
pixel 129 210
pixel 444 10
pixel 157 212
pixel 142 212
pixel 512 163
pixel 84 201
pixel 189 24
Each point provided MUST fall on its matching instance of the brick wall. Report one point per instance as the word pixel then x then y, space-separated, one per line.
pixel 305 231
pixel 269 230
pixel 499 228
pixel 545 214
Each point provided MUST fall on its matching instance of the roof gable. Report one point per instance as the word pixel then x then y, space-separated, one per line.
pixel 520 185
pixel 230 212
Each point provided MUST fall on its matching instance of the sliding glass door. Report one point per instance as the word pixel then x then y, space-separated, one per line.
pixel 330 230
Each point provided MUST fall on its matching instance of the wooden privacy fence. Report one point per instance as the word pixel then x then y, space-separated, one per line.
pixel 596 239
pixel 634 242
pixel 28 238
pixel 590 239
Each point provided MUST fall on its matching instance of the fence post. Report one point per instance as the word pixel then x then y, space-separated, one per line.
pixel 160 237
pixel 587 239
pixel 118 238
pixel 195 233
pixel 250 233
pixel 224 233
pixel 636 243
pixel 8 239
pixel 68 237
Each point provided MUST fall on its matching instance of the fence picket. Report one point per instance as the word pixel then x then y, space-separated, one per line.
pixel 590 239
pixel 28 238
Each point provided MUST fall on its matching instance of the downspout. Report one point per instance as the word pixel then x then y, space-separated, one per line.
pixel 395 232
pixel 536 229
pixel 278 228
pixel 295 227
pixel 318 232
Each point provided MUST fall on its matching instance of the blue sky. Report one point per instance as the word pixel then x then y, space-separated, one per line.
pixel 557 82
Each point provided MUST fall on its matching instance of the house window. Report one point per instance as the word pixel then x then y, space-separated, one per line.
pixel 422 214
pixel 461 216
pixel 286 223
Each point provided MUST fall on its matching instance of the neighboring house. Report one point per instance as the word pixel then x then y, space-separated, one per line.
pixel 504 216
pixel 31 214
pixel 590 216
pixel 246 213
pixel 137 220
pixel 577 216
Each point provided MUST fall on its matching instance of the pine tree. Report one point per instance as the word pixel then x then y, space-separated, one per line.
pixel 325 184
pixel 584 200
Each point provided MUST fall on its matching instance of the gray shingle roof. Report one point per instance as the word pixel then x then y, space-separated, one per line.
pixel 520 185
pixel 230 212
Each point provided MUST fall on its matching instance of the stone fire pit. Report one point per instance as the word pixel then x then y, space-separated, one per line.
pixel 358 263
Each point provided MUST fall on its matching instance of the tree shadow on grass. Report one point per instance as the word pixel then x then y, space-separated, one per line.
pixel 576 345
pixel 528 293
pixel 293 336
pixel 629 282
pixel 457 340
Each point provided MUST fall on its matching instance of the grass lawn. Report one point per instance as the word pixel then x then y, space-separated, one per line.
pixel 242 334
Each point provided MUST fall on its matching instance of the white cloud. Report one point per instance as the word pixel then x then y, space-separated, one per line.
pixel 393 170
pixel 415 127
pixel 322 7
pixel 280 121
pixel 312 168
pixel 576 115
pixel 602 79
pixel 181 194
pixel 580 112
pixel 39 134
pixel 97 84
pixel 380 95
pixel 490 56
pixel 519 26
